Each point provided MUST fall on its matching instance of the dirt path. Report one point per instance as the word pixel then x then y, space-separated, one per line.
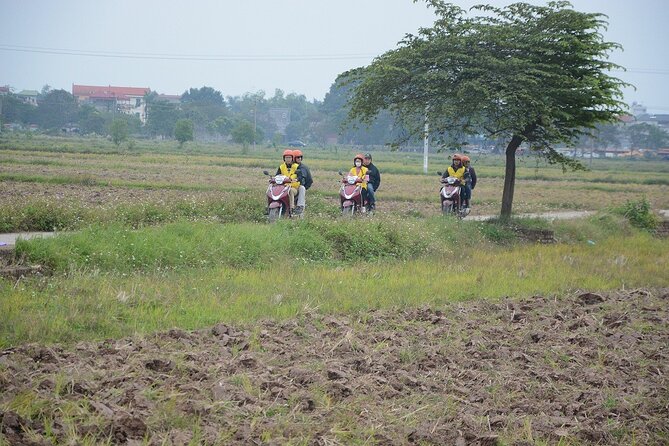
pixel 10 238
pixel 582 369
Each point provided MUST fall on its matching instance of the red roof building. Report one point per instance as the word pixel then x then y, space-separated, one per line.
pixel 128 100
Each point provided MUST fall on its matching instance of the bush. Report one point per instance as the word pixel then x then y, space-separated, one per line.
pixel 639 214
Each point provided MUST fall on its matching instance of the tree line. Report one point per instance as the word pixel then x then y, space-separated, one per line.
pixel 242 119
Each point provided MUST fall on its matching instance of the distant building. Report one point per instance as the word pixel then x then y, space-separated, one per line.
pixel 28 96
pixel 660 120
pixel 127 100
pixel 281 118
pixel 4 90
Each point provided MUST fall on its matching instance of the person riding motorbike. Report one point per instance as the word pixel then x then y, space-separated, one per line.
pixel 456 169
pixel 470 181
pixel 289 168
pixel 374 180
pixel 360 171
pixel 305 179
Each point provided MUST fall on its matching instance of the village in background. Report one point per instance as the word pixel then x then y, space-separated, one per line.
pixel 281 119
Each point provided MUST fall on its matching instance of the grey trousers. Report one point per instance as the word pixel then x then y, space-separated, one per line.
pixel 301 196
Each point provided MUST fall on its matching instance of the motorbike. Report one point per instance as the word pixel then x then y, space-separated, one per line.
pixel 450 194
pixel 351 195
pixel 278 200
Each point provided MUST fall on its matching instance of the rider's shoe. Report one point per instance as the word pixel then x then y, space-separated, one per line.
pixel 298 210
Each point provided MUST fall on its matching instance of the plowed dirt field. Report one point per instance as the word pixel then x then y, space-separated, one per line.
pixel 581 369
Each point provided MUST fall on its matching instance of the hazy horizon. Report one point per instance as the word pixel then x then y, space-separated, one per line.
pixel 294 45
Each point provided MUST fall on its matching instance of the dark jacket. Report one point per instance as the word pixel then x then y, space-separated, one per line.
pixel 472 176
pixel 304 176
pixel 374 176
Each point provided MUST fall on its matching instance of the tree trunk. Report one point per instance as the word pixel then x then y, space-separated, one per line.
pixel 509 177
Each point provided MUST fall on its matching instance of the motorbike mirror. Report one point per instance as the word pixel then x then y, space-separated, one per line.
pixel 341 174
pixel 439 173
pixel 265 172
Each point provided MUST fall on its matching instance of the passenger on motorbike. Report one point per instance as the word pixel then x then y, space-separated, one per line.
pixel 289 169
pixel 374 180
pixel 470 181
pixel 305 179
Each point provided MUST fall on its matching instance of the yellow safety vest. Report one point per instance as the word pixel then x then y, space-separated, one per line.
pixel 361 175
pixel 459 174
pixel 290 173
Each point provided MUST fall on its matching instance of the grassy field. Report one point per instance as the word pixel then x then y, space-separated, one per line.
pixel 174 314
pixel 156 211
pixel 68 183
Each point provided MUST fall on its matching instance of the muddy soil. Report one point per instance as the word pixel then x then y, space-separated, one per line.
pixel 582 369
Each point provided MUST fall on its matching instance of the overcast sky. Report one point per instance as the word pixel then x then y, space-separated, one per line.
pixel 297 45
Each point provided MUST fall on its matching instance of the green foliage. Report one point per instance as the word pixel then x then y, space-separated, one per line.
pixel 206 282
pixel 56 108
pixel 497 231
pixel 639 214
pixel 646 136
pixel 183 131
pixel 118 129
pixel 523 74
pixel 244 133
pixel 91 120
pixel 115 248
pixel 161 117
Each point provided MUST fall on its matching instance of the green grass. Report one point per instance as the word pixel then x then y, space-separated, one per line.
pixel 116 249
pixel 97 300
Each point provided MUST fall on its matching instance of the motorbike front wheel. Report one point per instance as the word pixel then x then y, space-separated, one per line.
pixel 274 214
pixel 348 211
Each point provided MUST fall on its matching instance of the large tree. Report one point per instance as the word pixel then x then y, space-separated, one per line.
pixel 528 74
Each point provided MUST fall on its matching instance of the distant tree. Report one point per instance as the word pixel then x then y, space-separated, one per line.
pixel 15 110
pixel 383 129
pixel 242 133
pixel 203 105
pixel 222 125
pixel 118 129
pixel 91 120
pixel 56 108
pixel 608 135
pixel 647 136
pixel 161 117
pixel 204 95
pixel 183 131
pixel 528 74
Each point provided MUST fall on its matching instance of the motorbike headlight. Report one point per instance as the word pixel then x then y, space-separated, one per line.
pixel 351 180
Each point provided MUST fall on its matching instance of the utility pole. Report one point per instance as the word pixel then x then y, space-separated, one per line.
pixel 255 121
pixel 426 142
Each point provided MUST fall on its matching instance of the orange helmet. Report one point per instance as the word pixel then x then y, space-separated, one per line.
pixel 465 159
pixel 358 157
pixel 287 152
pixel 297 153
pixel 457 156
